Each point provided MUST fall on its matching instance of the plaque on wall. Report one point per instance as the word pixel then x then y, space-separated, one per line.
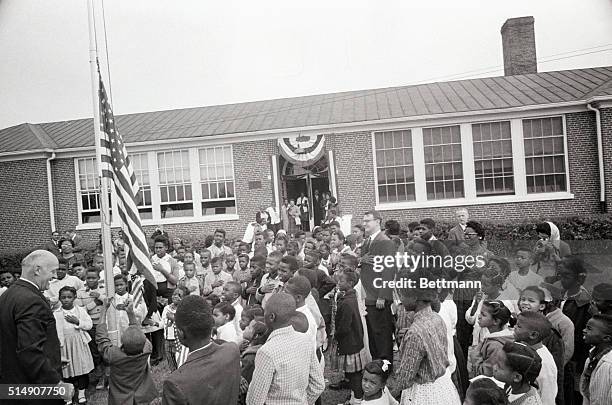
pixel 254 185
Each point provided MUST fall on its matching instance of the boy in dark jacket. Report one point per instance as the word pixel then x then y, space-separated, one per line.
pixel 130 376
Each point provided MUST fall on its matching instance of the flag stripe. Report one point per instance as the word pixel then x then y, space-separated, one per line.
pixel 117 165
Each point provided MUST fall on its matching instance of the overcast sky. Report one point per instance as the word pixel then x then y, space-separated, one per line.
pixel 175 54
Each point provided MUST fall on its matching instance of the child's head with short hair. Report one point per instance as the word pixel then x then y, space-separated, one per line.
pixel 178 294
pixel 78 270
pixel 484 391
pixel 120 284
pixel 98 263
pixel 347 280
pixel 348 261
pixel 231 291
pixel 532 328
pixel 92 278
pixel 230 262
pixel 67 295
pixel 133 341
pixel 518 365
pixel 190 269
pixel 249 315
pixel 223 313
pixel 598 330
pixel 216 264
pixel 244 248
pixel 571 272
pixel 205 258
pixel 532 299
pixel 601 299
pixel 375 375
pixel 523 257
pixel 188 258
pixel 256 333
pixel 493 314
pixel 243 261
pixel 6 278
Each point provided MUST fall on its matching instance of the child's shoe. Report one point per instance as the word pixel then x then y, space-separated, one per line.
pixel 82 399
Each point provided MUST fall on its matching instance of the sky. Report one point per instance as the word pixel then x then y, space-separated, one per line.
pixel 165 55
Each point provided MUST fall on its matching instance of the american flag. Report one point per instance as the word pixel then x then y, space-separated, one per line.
pixel 116 165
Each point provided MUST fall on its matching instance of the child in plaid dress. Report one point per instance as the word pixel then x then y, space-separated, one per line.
pixel 352 357
pixel 172 343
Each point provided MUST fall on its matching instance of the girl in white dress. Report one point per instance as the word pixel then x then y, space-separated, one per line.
pixel 72 322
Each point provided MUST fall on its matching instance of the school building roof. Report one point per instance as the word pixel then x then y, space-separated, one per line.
pixel 432 99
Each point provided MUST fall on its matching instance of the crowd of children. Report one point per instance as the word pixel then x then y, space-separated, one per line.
pixel 528 335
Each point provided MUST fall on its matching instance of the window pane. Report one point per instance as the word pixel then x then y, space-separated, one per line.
pixel 495 161
pixel 394 165
pixel 442 161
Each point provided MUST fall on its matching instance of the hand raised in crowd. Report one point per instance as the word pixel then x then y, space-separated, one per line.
pixel 94 294
pixel 217 283
pixel 268 288
pixel 251 290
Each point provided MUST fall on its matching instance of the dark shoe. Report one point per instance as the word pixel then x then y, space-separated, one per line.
pixel 340 385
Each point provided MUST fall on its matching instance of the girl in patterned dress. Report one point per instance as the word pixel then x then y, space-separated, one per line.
pixel 72 322
pixel 421 374
pixel 518 366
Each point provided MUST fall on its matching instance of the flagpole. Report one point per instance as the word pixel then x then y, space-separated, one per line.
pixel 104 186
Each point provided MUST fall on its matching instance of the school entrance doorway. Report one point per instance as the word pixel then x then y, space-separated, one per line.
pixel 305 180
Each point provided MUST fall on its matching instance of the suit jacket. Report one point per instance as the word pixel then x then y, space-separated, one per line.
pixel 456 235
pixel 210 376
pixel 378 248
pixel 50 246
pixel 29 346
pixel 130 375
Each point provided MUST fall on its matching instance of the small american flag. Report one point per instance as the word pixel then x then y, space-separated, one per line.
pixel 116 165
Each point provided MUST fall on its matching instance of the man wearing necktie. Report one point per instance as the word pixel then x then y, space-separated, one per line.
pixel 378 299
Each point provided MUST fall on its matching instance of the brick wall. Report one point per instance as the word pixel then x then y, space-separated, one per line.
pixel 355 184
pixel 251 163
pixel 24 204
pixel 353 152
pixel 606 131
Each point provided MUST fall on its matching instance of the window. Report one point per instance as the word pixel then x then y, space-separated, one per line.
pixel 493 167
pixel 141 171
pixel 217 180
pixel 443 162
pixel 175 184
pixel 89 190
pixel 544 155
pixel 394 166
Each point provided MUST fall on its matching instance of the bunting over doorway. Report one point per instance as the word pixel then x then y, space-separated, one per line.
pixel 302 150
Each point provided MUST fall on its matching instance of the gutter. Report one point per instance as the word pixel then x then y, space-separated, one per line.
pixel 50 188
pixel 602 180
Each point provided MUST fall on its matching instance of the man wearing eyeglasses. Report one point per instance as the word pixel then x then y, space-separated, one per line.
pixel 379 319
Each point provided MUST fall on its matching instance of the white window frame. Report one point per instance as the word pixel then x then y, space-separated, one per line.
pixel 201 181
pixel 469 177
pixel 151 156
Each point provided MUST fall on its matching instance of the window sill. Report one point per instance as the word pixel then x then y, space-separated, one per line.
pixel 167 221
pixel 503 199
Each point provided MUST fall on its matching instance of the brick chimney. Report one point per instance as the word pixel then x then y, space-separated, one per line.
pixel 518 41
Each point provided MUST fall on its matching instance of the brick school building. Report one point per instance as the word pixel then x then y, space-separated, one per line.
pixel 524 145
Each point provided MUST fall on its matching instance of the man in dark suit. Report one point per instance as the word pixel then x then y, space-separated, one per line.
pixel 53 245
pixel 318 208
pixel 29 346
pixel 211 373
pixel 378 296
